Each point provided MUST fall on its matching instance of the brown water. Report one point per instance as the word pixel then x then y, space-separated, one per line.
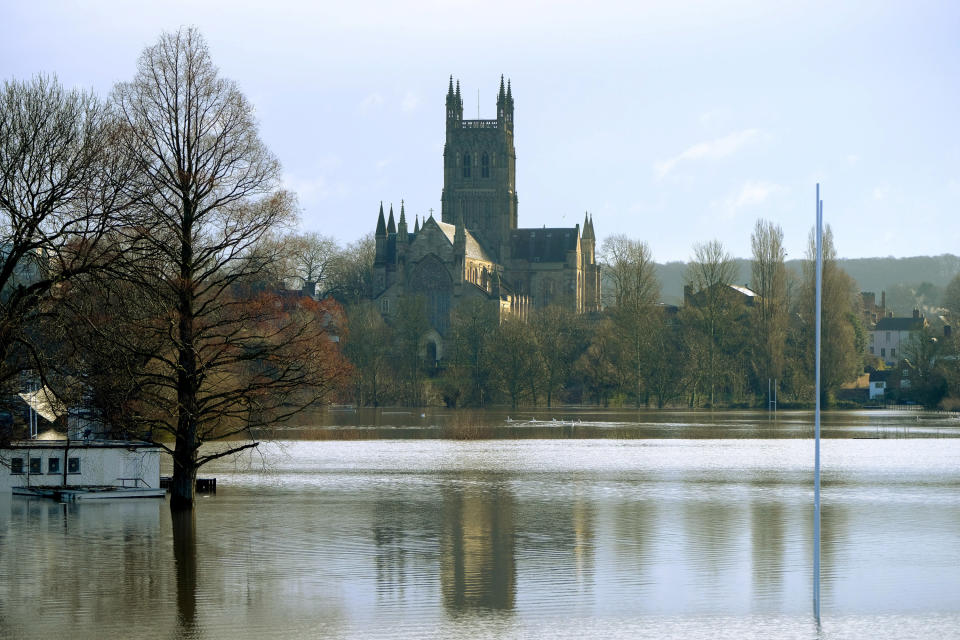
pixel 661 525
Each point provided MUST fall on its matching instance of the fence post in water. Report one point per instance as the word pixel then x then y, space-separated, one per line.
pixel 816 455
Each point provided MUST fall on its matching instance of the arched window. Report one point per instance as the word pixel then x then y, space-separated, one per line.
pixel 466 165
pixel 485 166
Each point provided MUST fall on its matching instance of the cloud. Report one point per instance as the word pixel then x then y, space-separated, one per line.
pixel 372 101
pixel 713 117
pixel 880 193
pixel 410 101
pixel 750 194
pixel 316 188
pixel 710 150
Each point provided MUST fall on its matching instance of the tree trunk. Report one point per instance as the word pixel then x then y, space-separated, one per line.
pixel 184 480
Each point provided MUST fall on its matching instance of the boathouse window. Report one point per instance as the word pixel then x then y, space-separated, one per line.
pixel 53 465
pixel 73 465
pixel 36 465
pixel 16 466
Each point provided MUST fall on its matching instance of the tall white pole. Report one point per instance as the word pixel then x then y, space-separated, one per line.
pixel 816 456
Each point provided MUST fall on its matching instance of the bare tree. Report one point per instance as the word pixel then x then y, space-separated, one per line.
pixel 234 356
pixel 842 340
pixel 561 337
pixel 630 266
pixel 350 278
pixel 313 258
pixel 708 274
pixel 368 347
pixel 769 280
pixel 62 181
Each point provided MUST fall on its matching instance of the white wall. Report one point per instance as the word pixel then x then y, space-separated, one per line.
pixel 99 465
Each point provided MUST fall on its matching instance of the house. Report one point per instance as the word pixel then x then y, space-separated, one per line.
pixel 878 384
pixel 890 335
pixel 729 293
pixel 81 464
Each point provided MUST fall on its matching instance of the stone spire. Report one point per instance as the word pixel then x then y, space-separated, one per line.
pixel 381 225
pixel 416 224
pixel 381 239
pixel 402 225
pixel 391 225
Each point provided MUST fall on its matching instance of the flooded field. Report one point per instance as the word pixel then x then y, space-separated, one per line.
pixel 576 525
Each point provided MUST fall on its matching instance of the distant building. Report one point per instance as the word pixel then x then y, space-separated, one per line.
pixel 890 335
pixel 476 250
pixel 878 384
pixel 730 293
pixel 872 312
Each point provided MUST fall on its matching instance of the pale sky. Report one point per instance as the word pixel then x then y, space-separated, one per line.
pixel 671 122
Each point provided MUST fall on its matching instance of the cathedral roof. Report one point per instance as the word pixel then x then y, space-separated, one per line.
pixel 543 245
pixel 474 250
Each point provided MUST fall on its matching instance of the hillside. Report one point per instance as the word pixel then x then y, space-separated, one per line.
pixel 907 281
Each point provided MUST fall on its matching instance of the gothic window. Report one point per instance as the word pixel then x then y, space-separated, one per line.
pixel 466 165
pixel 485 166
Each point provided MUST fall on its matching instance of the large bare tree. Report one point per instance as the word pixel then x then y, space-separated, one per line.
pixel 62 182
pixel 234 356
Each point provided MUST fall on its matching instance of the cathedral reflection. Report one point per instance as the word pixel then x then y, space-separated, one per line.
pixel 477 548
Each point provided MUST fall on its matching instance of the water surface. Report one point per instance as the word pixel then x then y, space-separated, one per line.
pixel 701 531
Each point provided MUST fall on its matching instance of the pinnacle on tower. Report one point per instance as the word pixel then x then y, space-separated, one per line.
pixel 416 224
pixel 402 225
pixel 459 98
pixel 450 90
pixel 586 224
pixel 501 96
pixel 509 94
pixel 381 226
pixel 391 225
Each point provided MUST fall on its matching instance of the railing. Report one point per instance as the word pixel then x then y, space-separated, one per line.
pixel 479 124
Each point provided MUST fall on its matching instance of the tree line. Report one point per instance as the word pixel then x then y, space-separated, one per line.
pixel 723 347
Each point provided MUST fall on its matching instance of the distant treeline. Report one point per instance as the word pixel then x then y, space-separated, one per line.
pixel 915 282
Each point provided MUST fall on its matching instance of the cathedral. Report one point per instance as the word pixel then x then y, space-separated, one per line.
pixel 476 249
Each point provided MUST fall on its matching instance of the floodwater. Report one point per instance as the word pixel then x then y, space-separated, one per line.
pixel 576 525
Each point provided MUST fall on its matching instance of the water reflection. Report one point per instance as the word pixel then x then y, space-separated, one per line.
pixel 185 559
pixel 477 553
pixel 505 539
pixel 767 545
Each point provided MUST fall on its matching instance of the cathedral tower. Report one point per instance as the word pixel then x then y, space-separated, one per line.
pixel 479 172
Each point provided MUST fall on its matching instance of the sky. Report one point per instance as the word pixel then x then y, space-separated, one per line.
pixel 675 123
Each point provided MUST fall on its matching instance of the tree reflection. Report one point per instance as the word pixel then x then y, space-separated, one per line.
pixel 185 558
